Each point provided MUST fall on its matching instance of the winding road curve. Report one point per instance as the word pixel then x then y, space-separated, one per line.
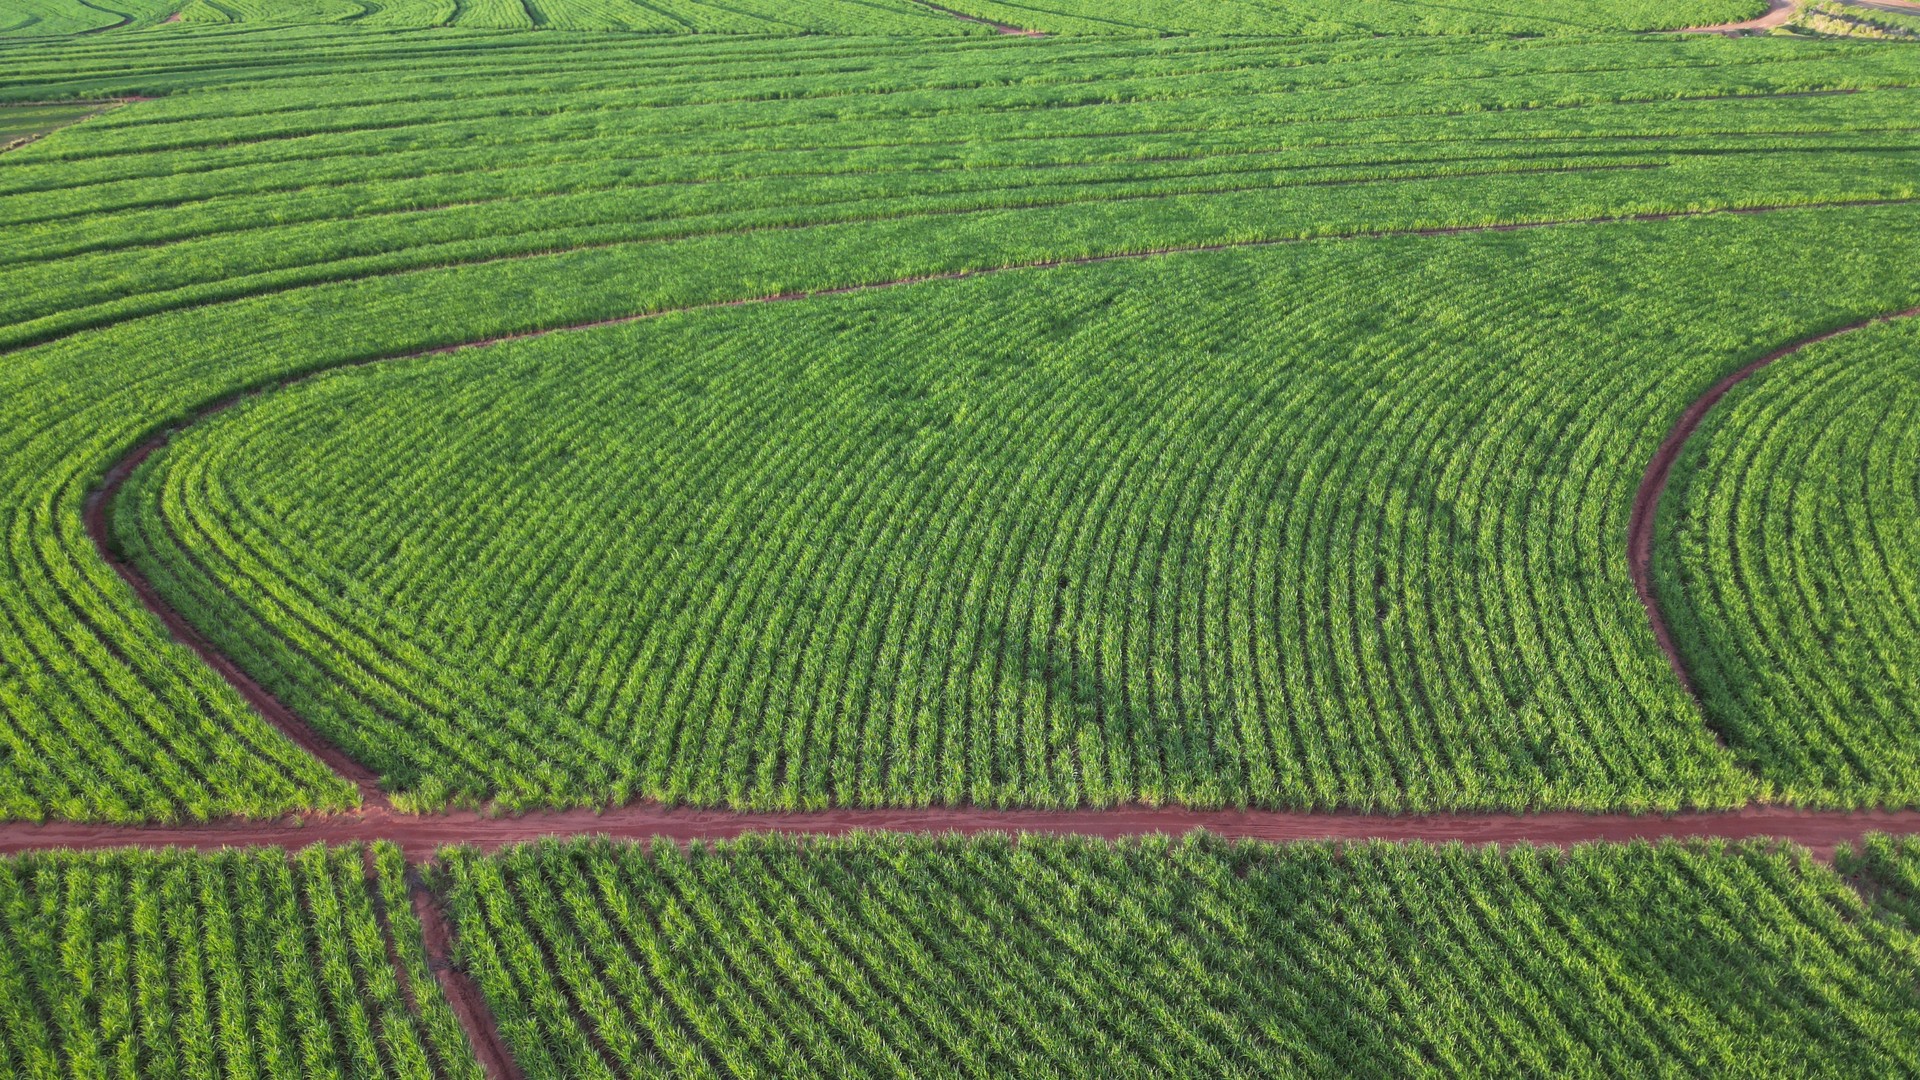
pixel 1653 483
pixel 1778 14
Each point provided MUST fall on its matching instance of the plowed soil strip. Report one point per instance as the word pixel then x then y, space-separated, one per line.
pixel 1653 483
pixel 469 1004
pixel 420 835
pixel 1778 13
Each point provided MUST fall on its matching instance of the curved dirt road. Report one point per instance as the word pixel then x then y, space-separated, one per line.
pixel 1653 483
pixel 420 835
pixel 1778 13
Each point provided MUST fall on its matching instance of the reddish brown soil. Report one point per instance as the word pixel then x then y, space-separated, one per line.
pixel 1777 15
pixel 420 835
pixel 269 707
pixel 469 1004
pixel 1653 483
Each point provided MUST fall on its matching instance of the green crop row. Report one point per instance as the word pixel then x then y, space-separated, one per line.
pixel 1325 17
pixel 20 124
pixel 1886 871
pixel 297 194
pixel 39 18
pixel 1840 17
pixel 984 957
pixel 1790 560
pixel 887 955
pixel 250 963
pixel 900 17
pixel 48 18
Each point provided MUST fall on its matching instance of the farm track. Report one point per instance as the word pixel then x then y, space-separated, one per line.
pixel 420 835
pixel 462 993
pixel 1653 483
pixel 1777 14
pixel 1782 12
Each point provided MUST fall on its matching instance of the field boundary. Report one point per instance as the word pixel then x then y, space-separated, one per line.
pixel 1779 13
pixel 419 836
pixel 1653 483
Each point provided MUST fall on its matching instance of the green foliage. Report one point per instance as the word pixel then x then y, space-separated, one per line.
pixel 904 17
pixel 917 546
pixel 888 955
pixel 163 963
pixel 1464 634
pixel 1788 562
pixel 47 18
pixel 1857 19
pixel 1326 17
pixel 1886 871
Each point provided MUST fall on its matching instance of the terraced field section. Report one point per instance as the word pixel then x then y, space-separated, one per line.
pixel 898 17
pixel 1439 618
pixel 254 963
pixel 900 956
pixel 21 124
pixel 57 18
pixel 1789 563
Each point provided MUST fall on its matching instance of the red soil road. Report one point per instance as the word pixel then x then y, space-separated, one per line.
pixel 95 517
pixel 1653 483
pixel 469 1004
pixel 1778 12
pixel 419 836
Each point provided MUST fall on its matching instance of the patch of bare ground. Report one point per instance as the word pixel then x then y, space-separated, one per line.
pixel 1778 14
